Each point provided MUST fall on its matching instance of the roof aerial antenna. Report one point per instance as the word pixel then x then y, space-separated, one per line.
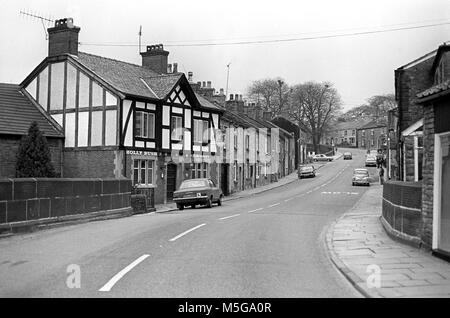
pixel 140 35
pixel 44 20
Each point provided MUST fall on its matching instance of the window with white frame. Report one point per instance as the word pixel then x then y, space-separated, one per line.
pixel 247 142
pixel 177 127
pixel 235 140
pixel 372 132
pixel 363 133
pixel 143 172
pixel 235 170
pixel 198 130
pixel 205 131
pixel 145 125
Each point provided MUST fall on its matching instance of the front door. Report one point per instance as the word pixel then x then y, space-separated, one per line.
pixel 224 178
pixel 171 181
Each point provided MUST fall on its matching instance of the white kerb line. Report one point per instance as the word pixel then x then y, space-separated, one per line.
pixel 229 217
pixel 186 232
pixel 119 275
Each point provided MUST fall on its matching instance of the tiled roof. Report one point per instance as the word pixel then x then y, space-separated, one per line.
pixel 162 85
pixel 354 124
pixel 17 113
pixel 374 124
pixel 125 77
pixel 435 89
pixel 134 79
pixel 206 103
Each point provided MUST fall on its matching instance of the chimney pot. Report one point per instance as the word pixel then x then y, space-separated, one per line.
pixel 231 96
pixel 175 67
pixel 155 58
pixel 267 115
pixel 63 38
pixel 208 84
pixel 169 68
pixel 190 75
pixel 221 91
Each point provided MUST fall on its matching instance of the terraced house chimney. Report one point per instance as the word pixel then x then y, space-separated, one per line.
pixel 155 58
pixel 63 38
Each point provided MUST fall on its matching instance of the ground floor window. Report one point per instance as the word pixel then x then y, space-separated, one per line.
pixel 200 170
pixel 143 172
pixel 235 170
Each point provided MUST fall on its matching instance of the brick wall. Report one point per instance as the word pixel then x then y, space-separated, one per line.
pixel 90 163
pixel 428 175
pixel 28 199
pixel 410 82
pixel 9 146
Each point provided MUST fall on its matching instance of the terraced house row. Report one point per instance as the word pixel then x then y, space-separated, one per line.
pixel 112 119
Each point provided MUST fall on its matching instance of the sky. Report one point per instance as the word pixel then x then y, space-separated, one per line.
pixel 359 66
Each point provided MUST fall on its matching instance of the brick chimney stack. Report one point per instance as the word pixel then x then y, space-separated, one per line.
pixel 155 58
pixel 63 38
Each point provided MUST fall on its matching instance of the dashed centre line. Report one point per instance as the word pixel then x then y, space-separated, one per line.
pixel 255 210
pixel 229 217
pixel 107 287
pixel 275 204
pixel 186 232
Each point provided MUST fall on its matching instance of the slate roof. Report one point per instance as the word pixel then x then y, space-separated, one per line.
pixel 435 90
pixel 133 79
pixel 206 103
pixel 374 124
pixel 354 124
pixel 17 112
pixel 123 76
pixel 162 85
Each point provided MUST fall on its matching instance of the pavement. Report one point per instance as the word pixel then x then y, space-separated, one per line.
pixel 269 244
pixel 377 265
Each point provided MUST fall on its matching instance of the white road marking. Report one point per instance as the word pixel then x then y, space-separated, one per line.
pixel 255 210
pixel 274 205
pixel 287 200
pixel 107 287
pixel 186 232
pixel 229 217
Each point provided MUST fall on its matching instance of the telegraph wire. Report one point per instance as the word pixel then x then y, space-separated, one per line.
pixel 307 38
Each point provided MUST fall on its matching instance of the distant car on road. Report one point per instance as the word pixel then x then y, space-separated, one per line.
pixel 347 155
pixel 197 191
pixel 306 171
pixel 322 157
pixel 360 176
pixel 371 161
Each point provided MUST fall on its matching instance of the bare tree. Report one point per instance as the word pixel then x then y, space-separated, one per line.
pixel 377 108
pixel 272 93
pixel 313 105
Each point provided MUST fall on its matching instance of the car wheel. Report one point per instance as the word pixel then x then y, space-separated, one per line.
pixel 180 206
pixel 353 184
pixel 193 206
pixel 209 203
pixel 219 203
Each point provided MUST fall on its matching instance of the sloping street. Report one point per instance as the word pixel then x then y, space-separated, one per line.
pixel 268 245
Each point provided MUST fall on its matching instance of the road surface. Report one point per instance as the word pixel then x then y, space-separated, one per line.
pixel 267 245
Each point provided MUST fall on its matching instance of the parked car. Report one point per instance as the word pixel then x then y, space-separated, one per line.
pixel 360 176
pixel 347 155
pixel 306 171
pixel 371 161
pixel 197 191
pixel 322 157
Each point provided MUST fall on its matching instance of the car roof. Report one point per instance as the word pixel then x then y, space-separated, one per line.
pixel 360 169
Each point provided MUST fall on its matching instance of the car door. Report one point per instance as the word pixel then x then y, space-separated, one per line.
pixel 214 190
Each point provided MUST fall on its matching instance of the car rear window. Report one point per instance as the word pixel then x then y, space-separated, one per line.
pixel 364 172
pixel 193 184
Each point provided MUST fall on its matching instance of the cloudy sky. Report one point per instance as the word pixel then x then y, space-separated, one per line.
pixel 296 40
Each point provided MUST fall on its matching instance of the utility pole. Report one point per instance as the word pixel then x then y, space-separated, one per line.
pixel 228 76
